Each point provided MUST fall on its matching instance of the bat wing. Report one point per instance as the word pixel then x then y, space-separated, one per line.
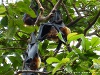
pixel 32 51
pixel 43 30
pixel 33 38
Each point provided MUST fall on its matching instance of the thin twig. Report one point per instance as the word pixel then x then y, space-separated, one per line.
pixel 35 71
pixel 40 6
pixel 41 18
pixel 29 71
pixel 78 44
pixel 67 12
pixel 93 33
pixel 50 3
pixel 54 8
pixel 89 26
pixel 92 23
pixel 76 10
pixel 12 48
pixel 69 48
pixel 75 21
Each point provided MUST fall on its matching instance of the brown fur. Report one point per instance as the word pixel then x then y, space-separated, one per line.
pixel 34 65
pixel 65 30
pixel 52 35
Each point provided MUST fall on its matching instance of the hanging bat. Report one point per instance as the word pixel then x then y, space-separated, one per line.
pixel 28 20
pixel 32 59
pixel 50 29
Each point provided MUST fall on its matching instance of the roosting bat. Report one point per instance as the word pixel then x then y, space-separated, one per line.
pixel 28 20
pixel 32 59
pixel 50 29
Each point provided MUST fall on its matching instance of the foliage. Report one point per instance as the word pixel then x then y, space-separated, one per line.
pixel 82 60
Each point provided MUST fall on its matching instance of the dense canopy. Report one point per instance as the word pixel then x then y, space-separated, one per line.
pixel 81 16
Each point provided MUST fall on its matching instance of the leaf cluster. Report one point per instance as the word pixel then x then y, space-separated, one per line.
pixel 82 60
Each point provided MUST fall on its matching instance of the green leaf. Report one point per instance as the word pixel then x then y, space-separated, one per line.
pixel 4 21
pixel 60 64
pixel 71 35
pixel 15 60
pixel 54 2
pixel 56 68
pixel 9 72
pixel 70 1
pixel 95 41
pixel 11 32
pixel 61 55
pixel 5 67
pixel 96 63
pixel 65 60
pixel 60 36
pixel 86 44
pixel 71 54
pixel 68 69
pixel 74 36
pixel 28 29
pixel 24 8
pixel 97 48
pixel 84 1
pixel 51 60
pixel 2 9
pixel 45 44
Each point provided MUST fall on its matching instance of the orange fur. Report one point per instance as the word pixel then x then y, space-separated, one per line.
pixel 35 64
pixel 52 35
pixel 65 30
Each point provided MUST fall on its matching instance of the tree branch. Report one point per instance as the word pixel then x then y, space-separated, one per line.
pixel 12 48
pixel 69 48
pixel 93 33
pixel 67 12
pixel 35 71
pixel 41 18
pixel 79 43
pixel 76 10
pixel 54 8
pixel 92 23
pixel 29 71
pixel 75 21
pixel 40 6
pixel 89 26
pixel 50 3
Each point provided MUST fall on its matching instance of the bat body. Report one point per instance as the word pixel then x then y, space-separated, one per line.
pixel 32 59
pixel 28 20
pixel 50 29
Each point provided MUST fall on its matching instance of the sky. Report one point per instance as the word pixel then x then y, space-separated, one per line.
pixel 10 1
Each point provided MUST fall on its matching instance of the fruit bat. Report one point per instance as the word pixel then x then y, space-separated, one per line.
pixel 28 20
pixel 32 59
pixel 50 29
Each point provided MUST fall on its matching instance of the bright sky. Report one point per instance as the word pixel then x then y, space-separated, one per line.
pixel 10 1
